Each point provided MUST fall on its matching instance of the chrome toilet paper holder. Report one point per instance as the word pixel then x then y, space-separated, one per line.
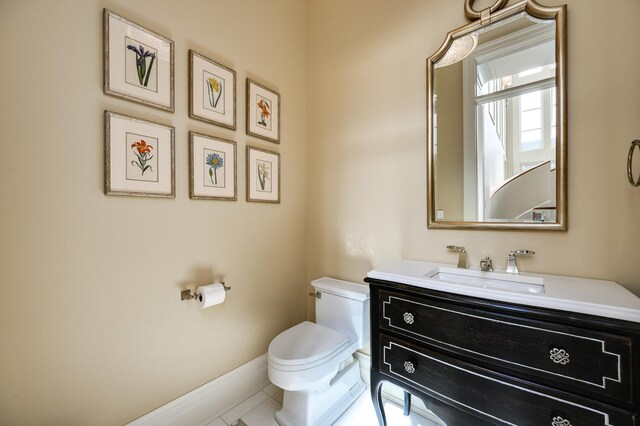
pixel 188 295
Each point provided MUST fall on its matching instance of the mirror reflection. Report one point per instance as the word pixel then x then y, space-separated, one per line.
pixel 494 124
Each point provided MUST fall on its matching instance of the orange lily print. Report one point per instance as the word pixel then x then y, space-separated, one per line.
pixel 264 107
pixel 143 152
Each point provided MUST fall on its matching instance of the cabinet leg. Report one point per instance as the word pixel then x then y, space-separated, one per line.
pixel 407 403
pixel 376 397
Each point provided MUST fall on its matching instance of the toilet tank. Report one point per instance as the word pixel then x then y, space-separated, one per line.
pixel 343 306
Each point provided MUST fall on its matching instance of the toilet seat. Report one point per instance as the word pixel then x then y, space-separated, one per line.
pixel 305 345
pixel 307 356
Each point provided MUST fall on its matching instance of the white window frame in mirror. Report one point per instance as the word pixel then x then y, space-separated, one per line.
pixel 558 14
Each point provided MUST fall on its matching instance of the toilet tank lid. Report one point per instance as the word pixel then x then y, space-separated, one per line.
pixel 342 288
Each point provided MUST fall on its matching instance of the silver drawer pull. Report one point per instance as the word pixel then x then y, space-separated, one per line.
pixel 408 317
pixel 559 421
pixel 559 356
pixel 409 368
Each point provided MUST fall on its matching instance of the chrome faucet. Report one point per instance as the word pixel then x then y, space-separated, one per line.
pixel 512 266
pixel 462 259
pixel 486 264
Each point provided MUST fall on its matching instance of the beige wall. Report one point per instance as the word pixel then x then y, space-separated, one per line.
pixel 92 329
pixel 367 142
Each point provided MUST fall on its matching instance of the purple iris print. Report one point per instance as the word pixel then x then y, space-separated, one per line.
pixel 141 63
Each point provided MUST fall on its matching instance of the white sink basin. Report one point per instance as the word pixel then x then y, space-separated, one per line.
pixel 492 280
pixel 573 294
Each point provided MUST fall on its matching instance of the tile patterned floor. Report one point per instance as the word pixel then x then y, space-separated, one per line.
pixel 259 410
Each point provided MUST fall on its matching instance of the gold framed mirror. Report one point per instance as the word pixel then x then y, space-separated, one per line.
pixel 497 121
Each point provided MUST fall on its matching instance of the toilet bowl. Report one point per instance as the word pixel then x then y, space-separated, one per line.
pixel 313 362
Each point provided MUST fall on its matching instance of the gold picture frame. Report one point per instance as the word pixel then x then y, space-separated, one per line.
pixel 263 112
pixel 212 168
pixel 138 63
pixel 212 91
pixel 262 175
pixel 139 157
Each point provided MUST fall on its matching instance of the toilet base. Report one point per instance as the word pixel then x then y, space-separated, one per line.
pixel 322 407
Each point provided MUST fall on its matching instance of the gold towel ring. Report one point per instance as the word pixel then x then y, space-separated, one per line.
pixel 632 181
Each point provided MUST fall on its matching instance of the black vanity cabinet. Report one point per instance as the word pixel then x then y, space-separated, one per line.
pixel 477 361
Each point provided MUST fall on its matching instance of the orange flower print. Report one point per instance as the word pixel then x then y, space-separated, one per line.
pixel 264 112
pixel 143 153
pixel 142 147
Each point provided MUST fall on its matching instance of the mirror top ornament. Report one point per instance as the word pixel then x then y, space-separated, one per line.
pixel 496 121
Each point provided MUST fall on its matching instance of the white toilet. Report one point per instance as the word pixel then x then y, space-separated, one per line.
pixel 313 362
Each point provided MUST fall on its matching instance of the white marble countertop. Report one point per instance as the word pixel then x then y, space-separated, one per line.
pixel 595 297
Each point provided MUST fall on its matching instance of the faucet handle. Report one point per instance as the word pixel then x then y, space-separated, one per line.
pixel 521 252
pixel 512 267
pixel 462 259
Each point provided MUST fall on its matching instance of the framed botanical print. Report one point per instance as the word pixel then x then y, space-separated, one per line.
pixel 139 157
pixel 263 175
pixel 212 168
pixel 212 91
pixel 263 112
pixel 138 63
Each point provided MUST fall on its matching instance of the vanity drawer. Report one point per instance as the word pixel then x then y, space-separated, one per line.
pixel 579 358
pixel 488 395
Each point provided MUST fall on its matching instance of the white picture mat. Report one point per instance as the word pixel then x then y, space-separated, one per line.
pixel 252 175
pixel 200 95
pixel 118 146
pixel 117 51
pixel 254 91
pixel 200 168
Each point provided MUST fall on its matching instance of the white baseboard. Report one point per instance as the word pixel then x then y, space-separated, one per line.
pixel 202 405
pixel 208 402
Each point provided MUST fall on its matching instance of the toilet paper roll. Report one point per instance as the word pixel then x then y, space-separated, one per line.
pixel 212 294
